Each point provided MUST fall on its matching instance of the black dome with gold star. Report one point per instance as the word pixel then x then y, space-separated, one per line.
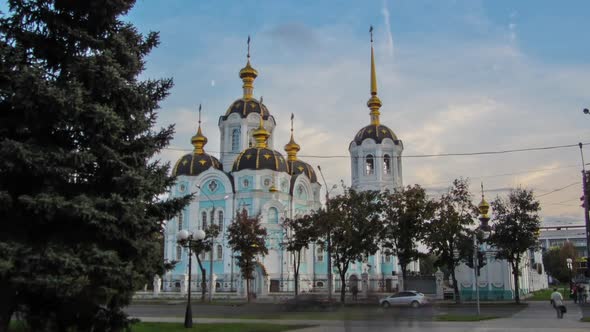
pixel 260 156
pixel 193 164
pixel 244 107
pixel 297 167
pixel 375 132
pixel 198 161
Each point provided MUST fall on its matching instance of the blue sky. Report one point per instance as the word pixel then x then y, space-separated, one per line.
pixel 454 76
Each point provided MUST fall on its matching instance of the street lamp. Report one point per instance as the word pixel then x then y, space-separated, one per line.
pixel 329 236
pixel 570 267
pixel 186 239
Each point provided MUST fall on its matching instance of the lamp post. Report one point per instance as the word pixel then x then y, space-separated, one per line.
pixel 329 240
pixel 570 267
pixel 185 238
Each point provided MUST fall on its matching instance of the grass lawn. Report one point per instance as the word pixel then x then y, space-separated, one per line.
pixel 545 294
pixel 213 327
pixel 585 319
pixel 463 318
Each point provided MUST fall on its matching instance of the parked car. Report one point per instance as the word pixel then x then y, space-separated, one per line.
pixel 406 298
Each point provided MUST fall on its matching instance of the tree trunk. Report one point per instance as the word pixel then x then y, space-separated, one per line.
pixel 404 269
pixel 455 285
pixel 7 305
pixel 342 287
pixel 203 279
pixel 516 288
pixel 296 270
pixel 248 289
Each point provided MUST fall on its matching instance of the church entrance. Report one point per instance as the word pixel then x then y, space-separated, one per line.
pixel 257 282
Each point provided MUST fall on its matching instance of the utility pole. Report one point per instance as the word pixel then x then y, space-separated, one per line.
pixel 475 268
pixel 586 203
pixel 329 241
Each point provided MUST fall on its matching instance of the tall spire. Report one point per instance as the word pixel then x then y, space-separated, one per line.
pixel 292 148
pixel 248 75
pixel 261 135
pixel 374 102
pixel 199 140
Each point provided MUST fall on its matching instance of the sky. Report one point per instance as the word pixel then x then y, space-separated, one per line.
pixel 454 77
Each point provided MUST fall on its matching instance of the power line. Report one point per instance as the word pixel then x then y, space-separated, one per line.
pixel 558 189
pixel 453 154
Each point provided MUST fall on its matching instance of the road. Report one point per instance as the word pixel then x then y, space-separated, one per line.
pixel 536 317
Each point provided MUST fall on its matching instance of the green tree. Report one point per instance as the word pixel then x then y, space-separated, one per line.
pixel 246 238
pixel 515 229
pixel 79 185
pixel 446 232
pixel 356 225
pixel 300 233
pixel 404 213
pixel 427 266
pixel 554 261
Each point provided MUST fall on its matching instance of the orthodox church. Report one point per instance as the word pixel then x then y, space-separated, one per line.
pixel 251 175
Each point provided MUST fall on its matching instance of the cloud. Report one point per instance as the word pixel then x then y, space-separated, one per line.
pixel 438 96
pixel 386 21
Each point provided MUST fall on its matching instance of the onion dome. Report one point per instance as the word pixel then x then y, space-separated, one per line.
pixel 260 156
pixel 247 104
pixel 375 130
pixel 297 166
pixel 198 161
pixel 484 207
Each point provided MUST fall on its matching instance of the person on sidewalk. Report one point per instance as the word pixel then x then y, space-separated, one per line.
pixel 557 301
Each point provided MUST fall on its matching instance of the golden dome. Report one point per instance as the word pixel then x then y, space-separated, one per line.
pixel 248 74
pixel 292 148
pixel 261 135
pixel 484 206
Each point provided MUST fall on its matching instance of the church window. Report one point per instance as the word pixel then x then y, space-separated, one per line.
pixel 246 183
pixel 386 164
pixel 235 140
pixel 300 191
pixel 320 254
pixel 178 253
pixel 369 165
pixel 266 182
pixel 219 252
pixel 203 220
pixel 180 221
pixel 387 256
pixel 213 185
pixel 220 220
pixel 303 254
pixel 273 216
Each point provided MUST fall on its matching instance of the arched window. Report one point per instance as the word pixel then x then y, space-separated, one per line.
pixel 320 254
pixel 219 252
pixel 178 253
pixel 273 216
pixel 369 165
pixel 180 221
pixel 220 220
pixel 387 256
pixel 235 139
pixel 203 220
pixel 386 164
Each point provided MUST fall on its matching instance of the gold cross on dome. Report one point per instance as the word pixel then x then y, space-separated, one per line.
pixel 300 168
pixel 248 156
pixel 267 156
pixel 384 131
pixel 184 162
pixel 202 162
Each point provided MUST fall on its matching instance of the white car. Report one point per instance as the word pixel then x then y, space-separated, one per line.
pixel 406 298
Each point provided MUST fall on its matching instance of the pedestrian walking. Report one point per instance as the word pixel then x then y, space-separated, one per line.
pixel 574 293
pixel 557 301
pixel 580 294
pixel 355 292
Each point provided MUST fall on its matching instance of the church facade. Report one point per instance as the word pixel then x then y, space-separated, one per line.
pixel 251 175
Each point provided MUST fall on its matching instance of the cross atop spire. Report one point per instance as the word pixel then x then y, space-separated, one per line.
pixel 248 47
pixel 371 32
pixel 292 148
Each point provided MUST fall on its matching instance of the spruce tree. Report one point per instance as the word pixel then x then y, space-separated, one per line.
pixel 79 181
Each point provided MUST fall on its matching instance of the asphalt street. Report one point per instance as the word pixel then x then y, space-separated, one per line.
pixel 536 316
